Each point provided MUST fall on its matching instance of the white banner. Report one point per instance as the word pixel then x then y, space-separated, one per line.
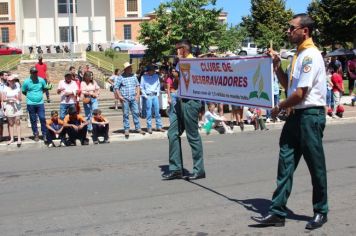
pixel 238 81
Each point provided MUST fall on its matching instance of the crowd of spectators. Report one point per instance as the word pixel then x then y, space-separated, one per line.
pixel 136 92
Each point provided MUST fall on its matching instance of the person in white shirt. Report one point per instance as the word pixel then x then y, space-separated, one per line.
pixel 11 101
pixel 302 132
pixel 67 89
pixel 211 116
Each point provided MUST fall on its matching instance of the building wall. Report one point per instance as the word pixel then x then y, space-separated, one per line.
pixel 12 10
pixel 120 8
pixel 12 30
pixel 135 29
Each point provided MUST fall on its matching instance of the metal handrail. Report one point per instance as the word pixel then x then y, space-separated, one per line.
pixel 10 64
pixel 102 64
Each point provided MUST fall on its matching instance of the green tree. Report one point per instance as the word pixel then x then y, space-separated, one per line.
pixel 335 21
pixel 181 19
pixel 231 38
pixel 268 21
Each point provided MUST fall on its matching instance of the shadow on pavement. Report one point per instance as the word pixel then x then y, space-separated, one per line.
pixel 257 205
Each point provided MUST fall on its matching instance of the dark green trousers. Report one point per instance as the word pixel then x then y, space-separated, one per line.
pixel 185 118
pixel 302 135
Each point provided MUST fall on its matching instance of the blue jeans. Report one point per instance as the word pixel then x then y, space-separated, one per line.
pixel 152 102
pixel 172 105
pixel 63 110
pixel 88 110
pixel 133 106
pixel 276 101
pixel 34 111
pixel 329 98
pixel 143 108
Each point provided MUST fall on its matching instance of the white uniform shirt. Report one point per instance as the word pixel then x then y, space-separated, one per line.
pixel 309 71
pixel 2 88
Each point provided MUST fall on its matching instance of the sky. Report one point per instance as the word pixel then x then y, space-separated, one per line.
pixel 235 8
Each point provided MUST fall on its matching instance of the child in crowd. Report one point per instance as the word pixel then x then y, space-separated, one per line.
pixel 211 120
pixel 338 87
pixel 76 127
pixel 55 130
pixel 100 127
pixel 254 117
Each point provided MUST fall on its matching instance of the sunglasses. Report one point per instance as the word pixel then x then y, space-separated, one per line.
pixel 293 27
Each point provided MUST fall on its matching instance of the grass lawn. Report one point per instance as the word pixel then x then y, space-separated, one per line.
pixel 7 58
pixel 118 60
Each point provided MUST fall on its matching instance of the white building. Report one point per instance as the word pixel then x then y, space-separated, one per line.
pixel 52 22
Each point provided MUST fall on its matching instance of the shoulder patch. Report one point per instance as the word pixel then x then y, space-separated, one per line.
pixel 306 68
pixel 307 61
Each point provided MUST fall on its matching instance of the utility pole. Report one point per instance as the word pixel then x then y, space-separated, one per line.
pixel 70 36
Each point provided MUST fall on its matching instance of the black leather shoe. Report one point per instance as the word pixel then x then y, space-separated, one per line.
pixel 317 221
pixel 270 220
pixel 172 175
pixel 195 176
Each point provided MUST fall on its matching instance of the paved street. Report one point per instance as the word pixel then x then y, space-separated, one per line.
pixel 115 189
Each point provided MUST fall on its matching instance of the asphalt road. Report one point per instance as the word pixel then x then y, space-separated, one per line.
pixel 115 189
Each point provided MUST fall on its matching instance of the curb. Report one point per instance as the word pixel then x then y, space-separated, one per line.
pixel 114 138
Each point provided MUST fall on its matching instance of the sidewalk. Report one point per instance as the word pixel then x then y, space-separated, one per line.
pixel 116 128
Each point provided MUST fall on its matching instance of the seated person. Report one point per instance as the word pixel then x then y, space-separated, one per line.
pixel 254 117
pixel 100 127
pixel 211 120
pixel 76 127
pixel 55 129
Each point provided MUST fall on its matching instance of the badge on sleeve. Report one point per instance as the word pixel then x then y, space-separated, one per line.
pixel 306 64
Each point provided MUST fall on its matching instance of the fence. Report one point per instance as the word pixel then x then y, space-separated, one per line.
pixel 101 64
pixel 10 64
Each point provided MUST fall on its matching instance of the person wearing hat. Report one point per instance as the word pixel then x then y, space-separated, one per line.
pixel 185 118
pixel 11 100
pixel 67 89
pixel 150 88
pixel 127 88
pixel 33 88
pixel 42 72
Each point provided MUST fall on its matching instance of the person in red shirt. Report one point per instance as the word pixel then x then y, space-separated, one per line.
pixel 42 72
pixel 351 70
pixel 338 87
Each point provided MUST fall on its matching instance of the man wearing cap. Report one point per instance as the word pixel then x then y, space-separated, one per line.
pixel 150 88
pixel 185 118
pixel 127 88
pixel 42 72
pixel 67 89
pixel 33 88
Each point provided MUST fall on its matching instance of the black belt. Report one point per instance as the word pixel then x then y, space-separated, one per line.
pixel 317 110
pixel 151 94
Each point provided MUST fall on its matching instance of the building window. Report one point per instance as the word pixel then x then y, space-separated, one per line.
pixel 4 8
pixel 64 34
pixel 5 35
pixel 132 5
pixel 132 15
pixel 63 6
pixel 127 31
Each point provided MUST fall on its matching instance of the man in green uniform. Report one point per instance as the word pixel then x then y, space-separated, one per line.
pixel 185 117
pixel 303 131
